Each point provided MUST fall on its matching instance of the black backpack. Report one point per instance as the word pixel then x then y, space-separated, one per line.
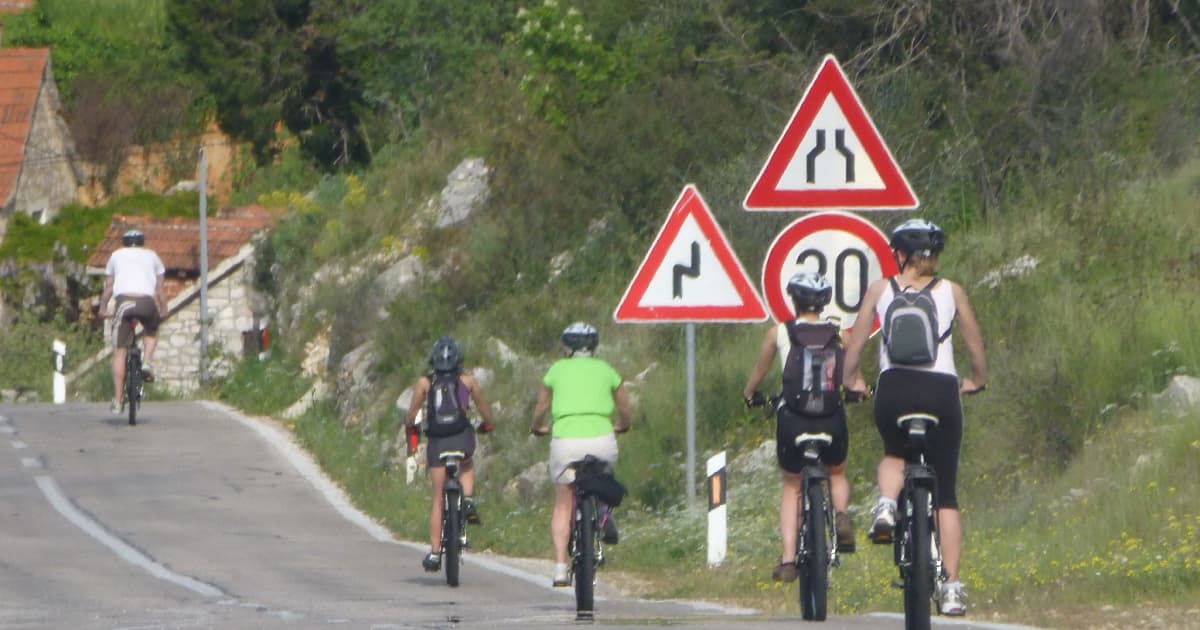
pixel 812 371
pixel 443 415
pixel 910 326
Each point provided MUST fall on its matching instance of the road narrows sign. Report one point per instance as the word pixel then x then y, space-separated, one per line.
pixel 690 273
pixel 847 249
pixel 830 156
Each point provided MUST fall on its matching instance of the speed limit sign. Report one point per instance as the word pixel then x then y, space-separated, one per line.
pixel 847 249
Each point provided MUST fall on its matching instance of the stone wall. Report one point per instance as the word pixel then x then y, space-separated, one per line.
pixel 49 179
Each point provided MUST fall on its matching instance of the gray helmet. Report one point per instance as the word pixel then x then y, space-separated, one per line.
pixel 580 336
pixel 810 291
pixel 133 238
pixel 445 356
pixel 918 236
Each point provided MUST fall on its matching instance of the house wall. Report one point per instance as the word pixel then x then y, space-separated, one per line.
pixel 48 178
pixel 177 357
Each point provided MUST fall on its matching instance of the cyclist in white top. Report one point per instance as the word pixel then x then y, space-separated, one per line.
pixel 134 274
pixel 934 388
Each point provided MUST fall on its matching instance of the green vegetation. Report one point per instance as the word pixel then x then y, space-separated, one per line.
pixel 1043 129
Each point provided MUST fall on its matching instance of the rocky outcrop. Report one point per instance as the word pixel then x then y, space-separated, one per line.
pixel 466 191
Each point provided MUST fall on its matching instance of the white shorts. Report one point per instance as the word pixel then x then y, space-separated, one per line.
pixel 565 451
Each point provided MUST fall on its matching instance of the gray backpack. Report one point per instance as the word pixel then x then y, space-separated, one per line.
pixel 910 326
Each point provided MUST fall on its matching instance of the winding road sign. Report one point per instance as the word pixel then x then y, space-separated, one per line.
pixel 847 249
pixel 830 156
pixel 690 273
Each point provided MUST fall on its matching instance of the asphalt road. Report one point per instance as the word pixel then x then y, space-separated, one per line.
pixel 202 518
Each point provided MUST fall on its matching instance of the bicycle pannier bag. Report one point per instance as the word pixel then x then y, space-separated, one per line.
pixel 812 370
pixel 593 477
pixel 444 416
pixel 910 326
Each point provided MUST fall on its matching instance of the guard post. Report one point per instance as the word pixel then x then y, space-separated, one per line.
pixel 59 358
pixel 717 519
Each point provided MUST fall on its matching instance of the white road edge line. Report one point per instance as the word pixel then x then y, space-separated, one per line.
pixel 964 621
pixel 123 550
pixel 304 464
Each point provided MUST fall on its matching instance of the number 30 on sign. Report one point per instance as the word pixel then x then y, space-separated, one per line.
pixel 847 249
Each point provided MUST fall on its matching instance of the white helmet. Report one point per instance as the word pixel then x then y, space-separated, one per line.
pixel 810 291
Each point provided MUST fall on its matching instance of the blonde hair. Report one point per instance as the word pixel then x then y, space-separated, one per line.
pixel 924 265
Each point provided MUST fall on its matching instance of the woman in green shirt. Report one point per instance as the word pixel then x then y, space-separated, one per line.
pixel 580 392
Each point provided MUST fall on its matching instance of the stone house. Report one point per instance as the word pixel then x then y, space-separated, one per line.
pixel 237 312
pixel 39 169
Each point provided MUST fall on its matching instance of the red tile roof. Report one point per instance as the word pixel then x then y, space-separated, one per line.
pixel 15 6
pixel 21 71
pixel 177 240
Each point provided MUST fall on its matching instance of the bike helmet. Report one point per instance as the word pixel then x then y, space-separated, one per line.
pixel 580 336
pixel 810 291
pixel 918 236
pixel 445 356
pixel 133 238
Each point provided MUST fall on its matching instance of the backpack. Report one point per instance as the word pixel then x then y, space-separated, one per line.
pixel 444 416
pixel 910 326
pixel 812 371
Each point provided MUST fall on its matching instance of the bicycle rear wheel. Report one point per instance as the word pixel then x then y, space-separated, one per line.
pixel 133 384
pixel 918 582
pixel 814 564
pixel 451 526
pixel 585 557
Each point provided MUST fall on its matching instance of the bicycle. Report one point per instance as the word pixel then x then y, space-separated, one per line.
pixel 133 373
pixel 917 546
pixel 454 526
pixel 585 545
pixel 816 537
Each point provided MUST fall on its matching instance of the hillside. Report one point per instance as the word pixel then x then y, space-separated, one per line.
pixel 1033 131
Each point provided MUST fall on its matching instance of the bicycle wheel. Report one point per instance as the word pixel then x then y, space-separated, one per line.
pixel 918 582
pixel 814 564
pixel 451 525
pixel 133 382
pixel 585 557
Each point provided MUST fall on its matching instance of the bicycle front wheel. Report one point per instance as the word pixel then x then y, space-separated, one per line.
pixel 814 564
pixel 918 581
pixel 585 557
pixel 451 525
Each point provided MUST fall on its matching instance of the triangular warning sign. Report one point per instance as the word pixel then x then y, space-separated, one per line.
pixel 690 273
pixel 830 156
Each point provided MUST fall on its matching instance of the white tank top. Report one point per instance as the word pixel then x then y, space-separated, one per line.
pixel 943 297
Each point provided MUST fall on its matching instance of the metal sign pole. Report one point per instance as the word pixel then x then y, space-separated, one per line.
pixel 203 269
pixel 691 413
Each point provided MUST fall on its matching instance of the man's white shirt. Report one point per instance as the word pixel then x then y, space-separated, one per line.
pixel 134 270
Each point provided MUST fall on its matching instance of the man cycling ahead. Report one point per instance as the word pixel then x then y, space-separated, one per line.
pixel 134 274
pixel 581 392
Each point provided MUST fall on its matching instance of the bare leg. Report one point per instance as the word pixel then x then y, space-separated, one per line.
pixel 438 475
pixel 466 475
pixel 150 342
pixel 891 477
pixel 560 521
pixel 789 515
pixel 118 373
pixel 839 487
pixel 950 530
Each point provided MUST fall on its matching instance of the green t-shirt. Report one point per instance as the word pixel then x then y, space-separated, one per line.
pixel 582 402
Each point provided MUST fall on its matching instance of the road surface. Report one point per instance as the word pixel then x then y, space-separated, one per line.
pixel 200 517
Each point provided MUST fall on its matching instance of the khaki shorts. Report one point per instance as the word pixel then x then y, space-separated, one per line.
pixel 565 451
pixel 141 308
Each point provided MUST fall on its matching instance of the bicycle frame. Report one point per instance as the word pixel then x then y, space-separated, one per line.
pixel 133 372
pixel 585 549
pixel 816 544
pixel 454 525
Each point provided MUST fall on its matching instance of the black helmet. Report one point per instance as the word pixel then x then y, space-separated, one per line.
pixel 918 236
pixel 810 291
pixel 445 356
pixel 133 238
pixel 580 336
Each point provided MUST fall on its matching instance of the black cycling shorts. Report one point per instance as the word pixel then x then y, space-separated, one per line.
pixel 902 391
pixel 435 446
pixel 789 424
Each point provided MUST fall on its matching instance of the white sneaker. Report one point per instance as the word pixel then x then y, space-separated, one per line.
pixel 952 600
pixel 561 578
pixel 115 407
pixel 147 373
pixel 883 517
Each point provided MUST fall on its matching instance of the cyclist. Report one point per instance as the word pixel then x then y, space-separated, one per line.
pixel 447 392
pixel 581 392
pixel 934 389
pixel 134 274
pixel 810 293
